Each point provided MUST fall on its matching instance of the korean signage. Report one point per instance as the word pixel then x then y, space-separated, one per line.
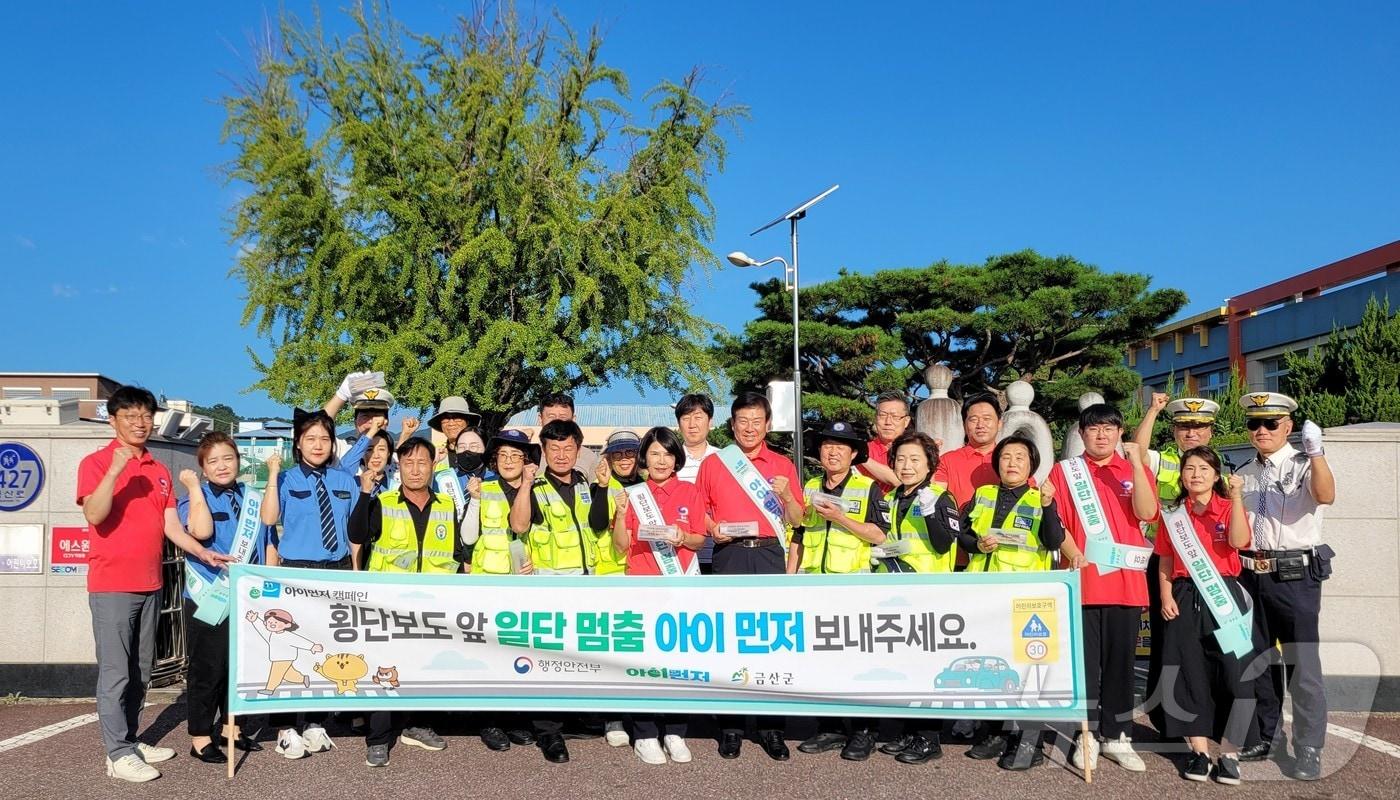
pixel 21 548
pixel 21 476
pixel 901 645
pixel 68 550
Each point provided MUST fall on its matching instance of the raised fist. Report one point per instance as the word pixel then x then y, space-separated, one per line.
pixel 529 472
pixel 189 480
pixel 1236 487
pixel 274 464
pixel 1132 452
pixel 120 456
pixel 474 487
pixel 409 426
pixel 1047 494
pixel 603 474
pixel 782 487
pixel 1159 401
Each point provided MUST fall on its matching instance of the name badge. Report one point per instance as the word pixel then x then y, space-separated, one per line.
pixel 583 494
pixel 739 530
pixel 656 533
pixel 892 548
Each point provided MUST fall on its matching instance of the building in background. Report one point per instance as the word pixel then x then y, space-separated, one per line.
pixel 1253 331
pixel 90 389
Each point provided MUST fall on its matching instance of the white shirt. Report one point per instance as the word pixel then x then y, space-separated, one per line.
pixel 688 472
pixel 1278 499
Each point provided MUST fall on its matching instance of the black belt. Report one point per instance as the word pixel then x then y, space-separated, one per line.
pixel 757 541
pixel 1306 551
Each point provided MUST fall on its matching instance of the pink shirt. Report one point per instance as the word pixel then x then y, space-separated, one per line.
pixel 725 501
pixel 680 506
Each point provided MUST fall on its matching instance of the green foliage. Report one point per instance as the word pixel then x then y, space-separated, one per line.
pixel 1060 323
pixel 472 214
pixel 1353 377
pixel 224 417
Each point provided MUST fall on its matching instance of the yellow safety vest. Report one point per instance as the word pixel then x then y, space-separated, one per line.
pixel 610 561
pixel 561 544
pixel 1024 516
pixel 921 556
pixel 491 555
pixel 398 548
pixel 827 547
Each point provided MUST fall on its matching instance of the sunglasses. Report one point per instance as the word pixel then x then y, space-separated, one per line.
pixel 1256 424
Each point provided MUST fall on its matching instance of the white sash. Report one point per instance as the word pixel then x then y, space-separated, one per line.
pixel 649 513
pixel 447 483
pixel 1234 626
pixel 212 597
pixel 764 499
pixel 1099 547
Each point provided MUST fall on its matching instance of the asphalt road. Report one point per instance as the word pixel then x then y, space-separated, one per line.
pixel 70 765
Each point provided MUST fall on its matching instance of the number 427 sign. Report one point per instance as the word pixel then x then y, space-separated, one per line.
pixel 21 476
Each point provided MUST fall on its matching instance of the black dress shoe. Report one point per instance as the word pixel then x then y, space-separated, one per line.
pixel 1307 763
pixel 991 746
pixel 896 746
pixel 729 744
pixel 1265 749
pixel 1022 753
pixel 920 751
pixel 858 747
pixel 555 751
pixel 247 745
pixel 209 754
pixel 773 744
pixel 822 742
pixel 495 739
pixel 520 736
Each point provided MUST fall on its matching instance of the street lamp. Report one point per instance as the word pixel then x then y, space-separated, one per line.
pixel 741 259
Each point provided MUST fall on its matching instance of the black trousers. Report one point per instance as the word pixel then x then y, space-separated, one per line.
pixel 384 726
pixel 1207 693
pixel 736 559
pixel 654 726
pixel 206 674
pixel 1287 612
pixel 1155 630
pixel 283 721
pixel 1110 647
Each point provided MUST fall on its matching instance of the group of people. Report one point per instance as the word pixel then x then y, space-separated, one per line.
pixel 1168 530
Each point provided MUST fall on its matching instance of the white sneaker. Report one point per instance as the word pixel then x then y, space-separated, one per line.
pixel 676 749
pixel 152 754
pixel 615 734
pixel 649 751
pixel 1121 750
pixel 290 745
pixel 1082 744
pixel 131 768
pixel 316 739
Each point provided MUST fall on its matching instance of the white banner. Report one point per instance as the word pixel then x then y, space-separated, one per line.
pixel 992 645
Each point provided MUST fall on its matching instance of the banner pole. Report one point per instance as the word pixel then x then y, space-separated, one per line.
pixel 232 726
pixel 1084 741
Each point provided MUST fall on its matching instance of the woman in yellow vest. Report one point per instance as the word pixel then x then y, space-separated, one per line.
pixel 842 522
pixel 411 529
pixel 1011 527
pixel 506 455
pixel 922 521
pixel 617 469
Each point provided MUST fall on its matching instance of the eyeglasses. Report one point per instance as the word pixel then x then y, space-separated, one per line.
pixel 886 416
pixel 1267 424
pixel 132 419
pixel 509 458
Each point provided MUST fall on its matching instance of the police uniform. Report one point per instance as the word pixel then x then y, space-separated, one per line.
pixel 1166 465
pixel 373 399
pixel 1283 573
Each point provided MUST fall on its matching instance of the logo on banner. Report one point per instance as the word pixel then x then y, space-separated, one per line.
pixel 1033 641
pixel 270 589
pixel 523 665
pixel 740 676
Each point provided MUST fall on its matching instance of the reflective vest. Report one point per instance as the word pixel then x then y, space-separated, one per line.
pixel 561 543
pixel 827 547
pixel 921 556
pixel 491 555
pixel 1169 475
pixel 610 561
pixel 399 549
pixel 1024 516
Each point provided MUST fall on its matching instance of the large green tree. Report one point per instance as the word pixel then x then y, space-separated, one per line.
pixel 473 214
pixel 1355 375
pixel 1062 323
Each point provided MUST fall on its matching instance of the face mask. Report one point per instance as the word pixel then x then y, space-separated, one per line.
pixel 468 462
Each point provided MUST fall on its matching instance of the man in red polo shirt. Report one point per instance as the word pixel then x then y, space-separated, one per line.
pixel 1105 496
pixel 963 470
pixel 891 420
pixel 128 500
pixel 746 539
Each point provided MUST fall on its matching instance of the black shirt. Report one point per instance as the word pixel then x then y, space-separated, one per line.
pixel 367 523
pixel 1052 533
pixel 598 518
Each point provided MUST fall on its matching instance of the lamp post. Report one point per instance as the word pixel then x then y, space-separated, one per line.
pixel 740 259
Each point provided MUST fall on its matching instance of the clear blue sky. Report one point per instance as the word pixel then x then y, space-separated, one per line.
pixel 1213 146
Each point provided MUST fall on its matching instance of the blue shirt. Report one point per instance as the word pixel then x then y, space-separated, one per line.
pixel 350 462
pixel 301 514
pixel 220 502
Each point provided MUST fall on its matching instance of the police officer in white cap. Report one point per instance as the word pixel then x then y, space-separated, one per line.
pixel 371 402
pixel 1193 425
pixel 1284 490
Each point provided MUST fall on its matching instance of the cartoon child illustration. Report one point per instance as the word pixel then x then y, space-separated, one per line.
pixel 278 629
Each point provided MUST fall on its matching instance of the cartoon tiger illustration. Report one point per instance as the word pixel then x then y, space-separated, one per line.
pixel 387 676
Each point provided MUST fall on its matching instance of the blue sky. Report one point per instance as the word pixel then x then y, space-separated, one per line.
pixel 1213 146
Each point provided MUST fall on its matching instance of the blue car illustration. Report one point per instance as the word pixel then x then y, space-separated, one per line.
pixel 987 673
